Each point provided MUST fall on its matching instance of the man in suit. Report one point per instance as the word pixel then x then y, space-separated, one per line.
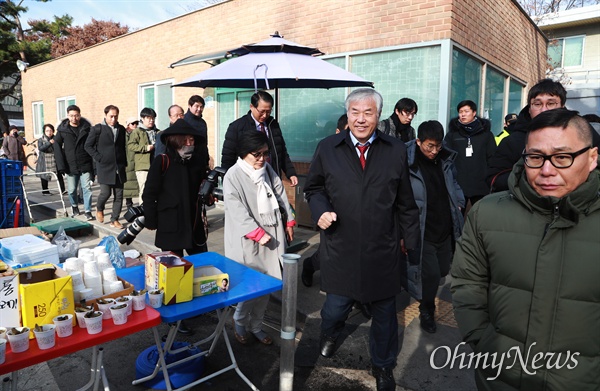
pixel 107 146
pixel 358 189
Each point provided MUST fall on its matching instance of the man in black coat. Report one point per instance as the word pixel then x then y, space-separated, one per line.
pixel 472 139
pixel 358 189
pixel 545 95
pixel 107 145
pixel 259 119
pixel 73 160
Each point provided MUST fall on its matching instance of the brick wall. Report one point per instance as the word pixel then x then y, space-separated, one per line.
pixel 110 73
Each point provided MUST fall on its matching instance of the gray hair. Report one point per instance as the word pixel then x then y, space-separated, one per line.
pixel 365 94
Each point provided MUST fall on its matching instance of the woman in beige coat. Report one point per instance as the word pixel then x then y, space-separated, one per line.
pixel 255 232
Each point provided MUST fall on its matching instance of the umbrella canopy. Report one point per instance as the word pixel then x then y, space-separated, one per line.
pixel 275 70
pixel 275 63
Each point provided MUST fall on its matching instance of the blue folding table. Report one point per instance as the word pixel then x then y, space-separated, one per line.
pixel 244 284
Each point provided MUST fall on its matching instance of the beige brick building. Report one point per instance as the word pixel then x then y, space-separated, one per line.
pixel 437 52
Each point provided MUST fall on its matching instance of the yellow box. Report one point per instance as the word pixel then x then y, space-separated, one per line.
pixel 45 292
pixel 208 280
pixel 172 274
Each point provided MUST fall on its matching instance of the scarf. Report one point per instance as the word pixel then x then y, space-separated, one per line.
pixel 265 197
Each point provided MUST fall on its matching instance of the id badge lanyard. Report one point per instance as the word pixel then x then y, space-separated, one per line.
pixel 469 150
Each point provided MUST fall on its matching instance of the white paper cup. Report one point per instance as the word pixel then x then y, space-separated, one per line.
pixel 94 325
pixel 86 294
pixel 139 302
pixel 45 338
pixel 2 332
pixel 128 302
pixel 80 318
pixel 105 308
pixel 119 315
pixel 19 342
pixel 155 300
pixel 83 251
pixel 2 350
pixel 64 328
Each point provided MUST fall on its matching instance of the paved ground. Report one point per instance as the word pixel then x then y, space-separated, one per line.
pixel 348 370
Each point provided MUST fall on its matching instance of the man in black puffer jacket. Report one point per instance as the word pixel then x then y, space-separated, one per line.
pixel 73 160
pixel 473 141
pixel 259 119
pixel 545 95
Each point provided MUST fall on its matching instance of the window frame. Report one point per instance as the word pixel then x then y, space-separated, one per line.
pixel 66 99
pixel 37 111
pixel 161 113
pixel 562 54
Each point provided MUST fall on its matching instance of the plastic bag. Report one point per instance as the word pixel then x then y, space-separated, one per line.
pixel 114 252
pixel 67 246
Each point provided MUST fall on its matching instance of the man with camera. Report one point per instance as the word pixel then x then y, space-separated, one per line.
pixel 13 144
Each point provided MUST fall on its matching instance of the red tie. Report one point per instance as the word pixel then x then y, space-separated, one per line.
pixel 363 149
pixel 262 128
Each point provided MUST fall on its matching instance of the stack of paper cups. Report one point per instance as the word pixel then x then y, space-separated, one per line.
pixel 110 275
pixel 87 257
pixel 83 251
pixel 99 250
pixel 83 294
pixel 92 278
pixel 113 286
pixel 77 280
pixel 103 262
pixel 73 264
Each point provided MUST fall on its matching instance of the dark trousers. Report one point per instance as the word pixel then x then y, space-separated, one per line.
pixel 313 263
pixel 105 192
pixel 435 264
pixel 383 337
pixel 61 183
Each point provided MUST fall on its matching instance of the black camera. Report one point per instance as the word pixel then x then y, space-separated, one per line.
pixel 209 188
pixel 134 215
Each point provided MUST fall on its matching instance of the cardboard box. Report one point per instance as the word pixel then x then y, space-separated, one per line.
pixel 10 232
pixel 125 292
pixel 45 292
pixel 9 301
pixel 172 274
pixel 209 280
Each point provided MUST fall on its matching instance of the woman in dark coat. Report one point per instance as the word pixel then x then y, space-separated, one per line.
pixel 46 162
pixel 171 202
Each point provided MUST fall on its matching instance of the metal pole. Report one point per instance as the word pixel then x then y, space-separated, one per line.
pixel 288 321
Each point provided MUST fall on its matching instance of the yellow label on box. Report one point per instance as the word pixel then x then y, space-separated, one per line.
pixel 209 280
pixel 43 300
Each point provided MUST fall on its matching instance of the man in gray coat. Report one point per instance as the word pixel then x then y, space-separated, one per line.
pixel 106 144
pixel 359 193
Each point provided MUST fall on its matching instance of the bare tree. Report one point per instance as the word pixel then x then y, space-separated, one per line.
pixel 537 8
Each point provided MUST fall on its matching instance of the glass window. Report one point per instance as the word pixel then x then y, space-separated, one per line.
pixel 494 99
pixel 61 106
pixel 157 96
pixel 411 73
pixel 515 94
pixel 566 52
pixel 38 119
pixel 466 81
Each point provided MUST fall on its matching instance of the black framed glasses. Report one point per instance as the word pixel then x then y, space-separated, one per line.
pixel 258 155
pixel 558 160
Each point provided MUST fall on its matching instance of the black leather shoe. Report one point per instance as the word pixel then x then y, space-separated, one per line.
pixel 327 347
pixel 428 322
pixel 384 378
pixel 307 275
